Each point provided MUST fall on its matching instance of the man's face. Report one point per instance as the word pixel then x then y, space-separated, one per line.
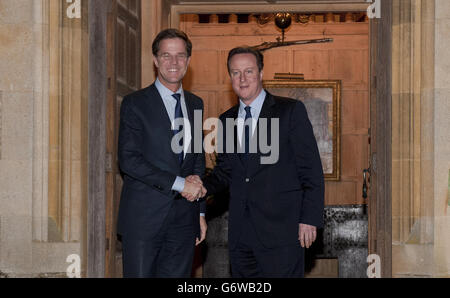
pixel 245 77
pixel 172 62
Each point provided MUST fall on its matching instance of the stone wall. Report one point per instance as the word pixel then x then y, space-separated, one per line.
pixel 420 142
pixel 442 141
pixel 26 89
pixel 20 29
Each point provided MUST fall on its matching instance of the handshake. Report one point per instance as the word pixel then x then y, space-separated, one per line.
pixel 193 188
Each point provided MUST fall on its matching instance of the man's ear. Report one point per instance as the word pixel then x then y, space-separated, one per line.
pixel 155 61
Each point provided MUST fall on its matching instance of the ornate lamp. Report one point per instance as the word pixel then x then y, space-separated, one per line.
pixel 283 20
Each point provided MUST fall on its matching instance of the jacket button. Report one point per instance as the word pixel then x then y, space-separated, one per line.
pixel 247 180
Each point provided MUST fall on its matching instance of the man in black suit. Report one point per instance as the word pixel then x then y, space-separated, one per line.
pixel 160 217
pixel 276 205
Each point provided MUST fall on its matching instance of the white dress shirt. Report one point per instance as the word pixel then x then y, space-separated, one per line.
pixel 255 109
pixel 170 103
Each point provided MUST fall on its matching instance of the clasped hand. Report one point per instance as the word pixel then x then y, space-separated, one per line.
pixel 193 188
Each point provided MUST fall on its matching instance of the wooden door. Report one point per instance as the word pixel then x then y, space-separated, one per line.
pixel 124 77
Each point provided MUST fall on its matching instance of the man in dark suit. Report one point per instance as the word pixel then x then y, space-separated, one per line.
pixel 160 217
pixel 275 206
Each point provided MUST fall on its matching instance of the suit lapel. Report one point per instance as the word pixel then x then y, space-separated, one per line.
pixel 267 112
pixel 161 118
pixel 234 156
pixel 190 110
pixel 158 104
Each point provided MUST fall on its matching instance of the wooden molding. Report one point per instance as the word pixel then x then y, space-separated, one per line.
pixel 177 10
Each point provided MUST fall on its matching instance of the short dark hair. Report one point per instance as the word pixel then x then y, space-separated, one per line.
pixel 171 33
pixel 247 50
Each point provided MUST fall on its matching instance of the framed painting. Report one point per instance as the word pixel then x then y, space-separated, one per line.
pixel 323 101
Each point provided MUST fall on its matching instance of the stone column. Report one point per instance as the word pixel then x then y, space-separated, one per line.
pixel 18 71
pixel 421 142
pixel 41 67
pixel 412 101
pixel 441 140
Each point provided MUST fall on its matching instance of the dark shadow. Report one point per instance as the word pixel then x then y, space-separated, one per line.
pixel 215 251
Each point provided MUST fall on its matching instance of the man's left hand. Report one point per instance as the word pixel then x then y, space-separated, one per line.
pixel 307 235
pixel 203 228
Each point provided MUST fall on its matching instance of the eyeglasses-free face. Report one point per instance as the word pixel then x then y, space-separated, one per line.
pixel 246 78
pixel 172 62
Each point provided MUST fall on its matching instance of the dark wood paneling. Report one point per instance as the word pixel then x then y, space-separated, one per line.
pixel 380 208
pixel 97 90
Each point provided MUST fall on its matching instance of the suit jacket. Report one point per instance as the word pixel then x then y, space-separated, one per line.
pixel 280 195
pixel 149 165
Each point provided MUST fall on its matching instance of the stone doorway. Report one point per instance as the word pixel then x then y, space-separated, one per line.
pixel 379 222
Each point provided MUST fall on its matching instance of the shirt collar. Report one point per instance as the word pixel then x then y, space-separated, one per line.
pixel 166 92
pixel 256 104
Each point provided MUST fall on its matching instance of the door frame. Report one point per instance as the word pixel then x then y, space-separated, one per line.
pixel 97 98
pixel 117 89
pixel 109 145
pixel 380 202
pixel 380 207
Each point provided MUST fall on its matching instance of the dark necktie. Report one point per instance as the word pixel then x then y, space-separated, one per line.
pixel 248 115
pixel 179 114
